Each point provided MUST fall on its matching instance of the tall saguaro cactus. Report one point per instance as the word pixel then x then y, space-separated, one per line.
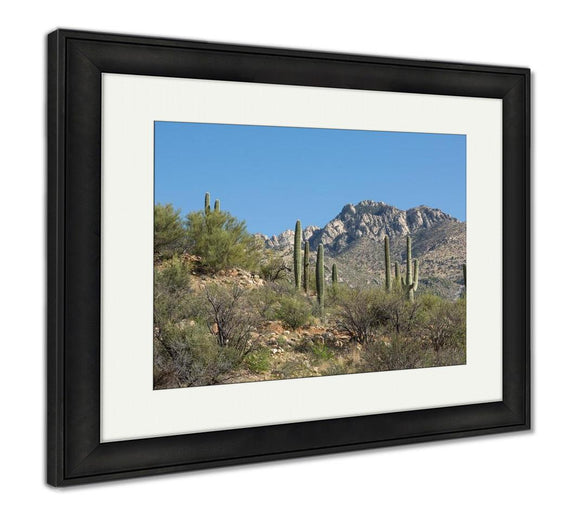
pixel 388 281
pixel 216 206
pixel 306 265
pixel 334 275
pixel 207 207
pixel 320 277
pixel 297 254
pixel 397 275
pixel 412 280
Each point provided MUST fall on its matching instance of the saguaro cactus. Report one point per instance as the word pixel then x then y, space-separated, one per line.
pixel 216 206
pixel 320 277
pixel 306 265
pixel 412 280
pixel 334 275
pixel 397 275
pixel 388 281
pixel 464 275
pixel 297 254
pixel 207 207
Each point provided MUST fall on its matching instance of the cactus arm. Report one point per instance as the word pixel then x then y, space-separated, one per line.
pixel 207 207
pixel 306 265
pixel 216 206
pixel 415 274
pixel 409 273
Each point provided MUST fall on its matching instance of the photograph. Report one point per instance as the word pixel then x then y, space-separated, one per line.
pixel 292 252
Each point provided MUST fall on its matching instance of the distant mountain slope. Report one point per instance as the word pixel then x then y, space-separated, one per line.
pixel 353 240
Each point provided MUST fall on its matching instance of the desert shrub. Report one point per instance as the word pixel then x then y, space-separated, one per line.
pixel 221 241
pixel 264 300
pixel 292 369
pixel 396 313
pixel 442 322
pixel 340 366
pixel 173 276
pixel 451 355
pixel 187 355
pixel 321 351
pixel 173 299
pixel 231 318
pixel 359 313
pixel 258 361
pixel 294 311
pixel 273 267
pixel 168 231
pixel 398 354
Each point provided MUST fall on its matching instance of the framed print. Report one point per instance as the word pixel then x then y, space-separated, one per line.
pixel 259 253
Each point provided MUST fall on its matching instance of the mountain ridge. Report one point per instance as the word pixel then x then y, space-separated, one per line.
pixel 368 217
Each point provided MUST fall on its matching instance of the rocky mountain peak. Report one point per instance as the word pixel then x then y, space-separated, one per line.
pixel 369 219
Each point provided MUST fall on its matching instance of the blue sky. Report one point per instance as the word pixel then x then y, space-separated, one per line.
pixel 271 176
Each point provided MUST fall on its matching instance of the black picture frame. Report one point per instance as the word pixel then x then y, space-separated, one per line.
pixel 75 63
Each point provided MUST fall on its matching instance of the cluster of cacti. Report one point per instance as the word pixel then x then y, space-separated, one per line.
pixel 297 254
pixel 306 266
pixel 320 277
pixel 302 267
pixel 408 284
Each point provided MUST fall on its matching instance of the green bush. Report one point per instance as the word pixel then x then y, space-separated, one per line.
pixel 174 275
pixel 221 241
pixel 398 354
pixel 360 313
pixel 273 267
pixel 173 300
pixel 442 322
pixel 187 355
pixel 321 351
pixel 294 311
pixel 231 316
pixel 168 231
pixel 258 361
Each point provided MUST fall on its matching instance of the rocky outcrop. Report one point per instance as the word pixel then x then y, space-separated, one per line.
pixel 286 239
pixel 367 219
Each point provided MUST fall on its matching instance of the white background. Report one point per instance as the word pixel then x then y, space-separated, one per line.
pixel 526 470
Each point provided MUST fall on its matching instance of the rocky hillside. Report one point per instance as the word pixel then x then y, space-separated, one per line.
pixel 353 240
